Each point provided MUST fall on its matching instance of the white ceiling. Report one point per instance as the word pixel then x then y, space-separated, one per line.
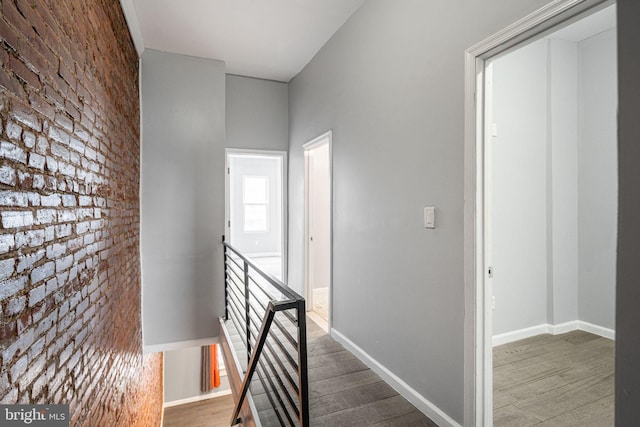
pixel 269 39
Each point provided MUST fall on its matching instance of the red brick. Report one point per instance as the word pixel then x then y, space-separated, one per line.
pixel 34 19
pixel 42 106
pixel 73 70
pixel 26 116
pixel 9 35
pixel 68 76
pixel 54 96
pixel 9 81
pixel 14 17
pixel 8 331
pixel 31 51
pixel 23 72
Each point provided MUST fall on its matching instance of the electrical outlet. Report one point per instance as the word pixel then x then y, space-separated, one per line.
pixel 493 303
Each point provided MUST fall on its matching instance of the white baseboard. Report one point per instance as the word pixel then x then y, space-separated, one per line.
pixel 423 405
pixel 547 328
pixel 563 328
pixel 521 334
pixel 197 398
pixel 597 330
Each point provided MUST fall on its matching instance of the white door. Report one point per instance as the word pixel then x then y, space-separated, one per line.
pixel 255 201
pixel 318 221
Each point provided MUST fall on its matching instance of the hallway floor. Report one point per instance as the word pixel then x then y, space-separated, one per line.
pixel 343 391
pixel 563 380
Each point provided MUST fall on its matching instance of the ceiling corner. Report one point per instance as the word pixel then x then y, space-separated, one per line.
pixel 129 10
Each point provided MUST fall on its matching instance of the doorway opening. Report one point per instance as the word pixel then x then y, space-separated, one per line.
pixel 318 216
pixel 255 207
pixel 540 238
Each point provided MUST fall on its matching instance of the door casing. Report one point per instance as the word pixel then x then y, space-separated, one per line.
pixel 229 152
pixel 478 350
pixel 325 138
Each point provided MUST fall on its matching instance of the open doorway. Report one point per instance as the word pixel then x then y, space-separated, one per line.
pixel 551 192
pixel 318 228
pixel 543 139
pixel 255 201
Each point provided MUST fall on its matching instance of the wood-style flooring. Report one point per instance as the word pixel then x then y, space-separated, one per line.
pixel 343 391
pixel 207 413
pixel 562 381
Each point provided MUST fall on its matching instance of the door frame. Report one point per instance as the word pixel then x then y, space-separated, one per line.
pixel 325 138
pixel 228 152
pixel 478 349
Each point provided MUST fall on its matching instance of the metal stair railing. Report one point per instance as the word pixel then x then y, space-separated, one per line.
pixel 271 320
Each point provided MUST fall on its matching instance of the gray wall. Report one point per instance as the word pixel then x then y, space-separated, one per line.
pixel 257 114
pixel 390 85
pixel 182 196
pixel 182 375
pixel 628 271
pixel 562 201
pixel 556 154
pixel 519 196
pixel 598 188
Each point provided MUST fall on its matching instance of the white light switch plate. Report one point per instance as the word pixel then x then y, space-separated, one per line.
pixel 429 217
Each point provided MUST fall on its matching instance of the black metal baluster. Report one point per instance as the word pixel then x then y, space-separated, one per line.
pixel 226 281
pixel 302 364
pixel 247 314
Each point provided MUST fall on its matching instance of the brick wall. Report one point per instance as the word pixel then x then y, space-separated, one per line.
pixel 69 205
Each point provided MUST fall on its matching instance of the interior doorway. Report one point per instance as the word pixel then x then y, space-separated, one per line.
pixel 551 223
pixel 317 155
pixel 536 219
pixel 255 207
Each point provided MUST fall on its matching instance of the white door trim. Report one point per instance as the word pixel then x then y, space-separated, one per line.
pixel 285 221
pixel 325 138
pixel 478 348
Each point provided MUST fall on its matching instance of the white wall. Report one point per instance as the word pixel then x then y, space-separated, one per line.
pixel 562 93
pixel 519 193
pixel 182 196
pixel 182 376
pixel 598 186
pixel 389 84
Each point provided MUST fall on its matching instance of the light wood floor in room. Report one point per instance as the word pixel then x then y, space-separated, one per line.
pixel 561 381
pixel 207 413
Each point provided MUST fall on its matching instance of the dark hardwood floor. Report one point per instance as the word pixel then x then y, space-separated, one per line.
pixel 563 380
